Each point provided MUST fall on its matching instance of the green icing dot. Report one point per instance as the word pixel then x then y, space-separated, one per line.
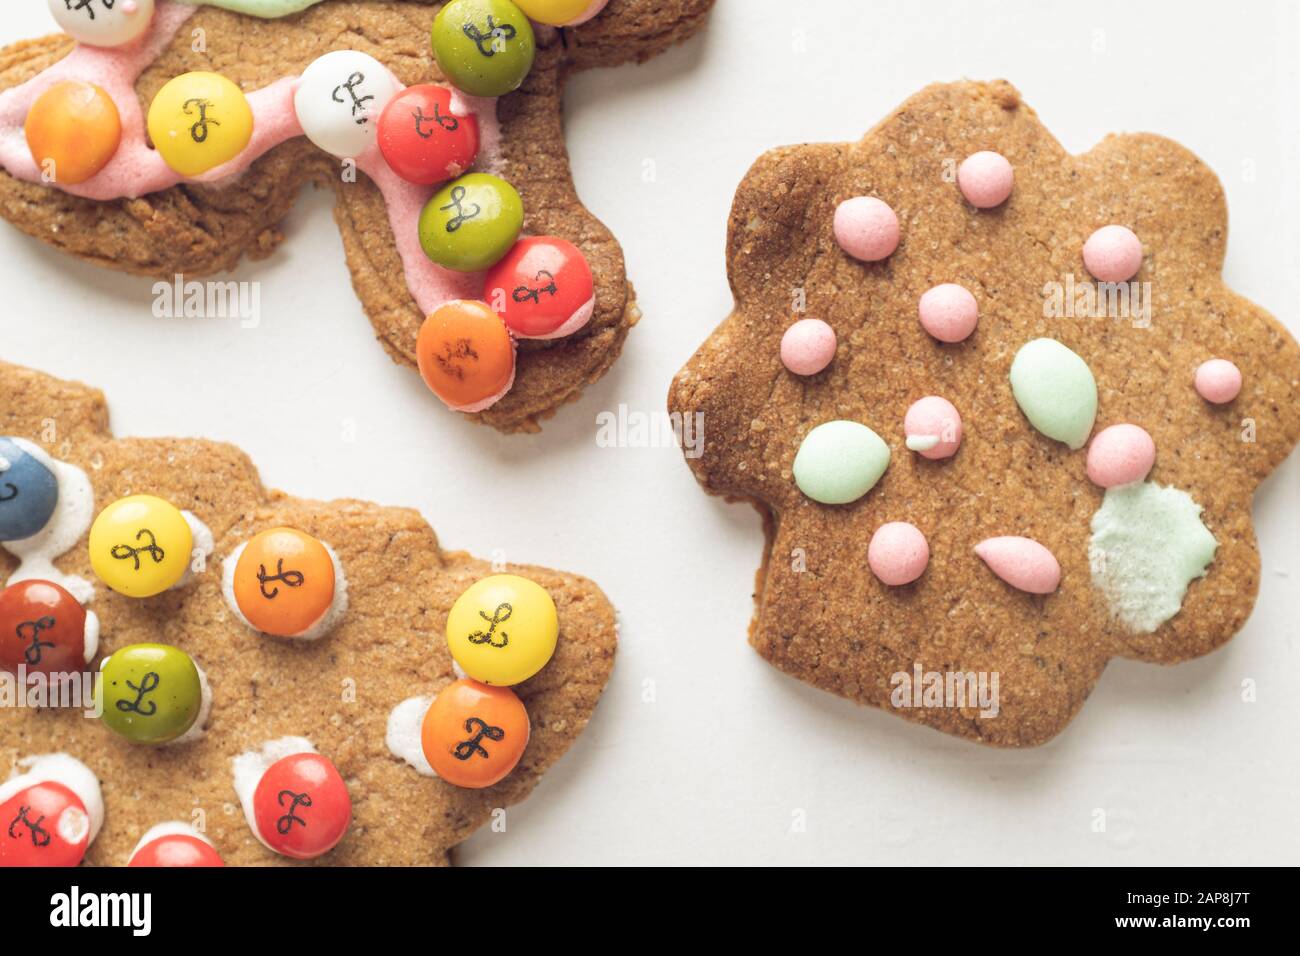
pixel 840 462
pixel 257 8
pixel 1147 545
pixel 1056 391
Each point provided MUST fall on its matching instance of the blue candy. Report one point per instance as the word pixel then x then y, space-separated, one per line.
pixel 29 493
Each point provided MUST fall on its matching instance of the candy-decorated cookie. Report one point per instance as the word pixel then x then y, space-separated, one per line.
pixel 1052 467
pixel 439 130
pixel 386 590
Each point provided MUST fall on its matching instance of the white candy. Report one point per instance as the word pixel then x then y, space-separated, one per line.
pixel 103 22
pixel 339 99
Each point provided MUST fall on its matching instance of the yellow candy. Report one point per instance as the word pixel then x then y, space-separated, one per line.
pixel 556 13
pixel 199 121
pixel 140 546
pixel 503 630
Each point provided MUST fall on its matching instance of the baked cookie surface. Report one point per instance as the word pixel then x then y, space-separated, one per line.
pixel 198 229
pixel 822 615
pixel 337 692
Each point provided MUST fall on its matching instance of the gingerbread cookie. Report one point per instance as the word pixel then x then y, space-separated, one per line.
pixel 169 139
pixel 251 677
pixel 1002 416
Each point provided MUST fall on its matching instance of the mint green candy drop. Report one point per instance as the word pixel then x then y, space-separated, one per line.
pixel 1056 391
pixel 839 462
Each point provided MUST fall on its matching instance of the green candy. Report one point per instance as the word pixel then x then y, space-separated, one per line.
pixel 1148 544
pixel 484 47
pixel 839 462
pixel 471 223
pixel 149 693
pixel 1056 391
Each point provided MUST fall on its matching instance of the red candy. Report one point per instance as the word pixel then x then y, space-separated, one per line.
pixel 422 140
pixel 302 806
pixel 43 627
pixel 542 289
pixel 45 824
pixel 178 850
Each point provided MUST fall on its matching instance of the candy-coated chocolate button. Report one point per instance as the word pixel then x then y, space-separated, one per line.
pixel 422 140
pixel 503 629
pixel 177 850
pixel 839 462
pixel 42 627
pixel 45 824
pixel 302 806
pixel 97 23
pixel 471 223
pixel 199 121
pixel 557 13
pixel 149 693
pixel 140 546
pixel 284 581
pixel 465 355
pixel 339 100
pixel 542 288
pixel 29 492
pixel 73 130
pixel 484 47
pixel 473 735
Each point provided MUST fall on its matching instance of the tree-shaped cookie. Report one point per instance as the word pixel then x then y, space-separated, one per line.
pixel 1001 414
pixel 175 137
pixel 242 641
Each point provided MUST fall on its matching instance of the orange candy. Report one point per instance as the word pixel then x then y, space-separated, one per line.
pixel 73 130
pixel 473 735
pixel 284 581
pixel 466 355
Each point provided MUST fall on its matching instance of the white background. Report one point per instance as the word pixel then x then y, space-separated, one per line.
pixel 717 768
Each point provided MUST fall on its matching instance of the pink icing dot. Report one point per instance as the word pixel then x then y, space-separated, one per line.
pixel 898 553
pixel 1113 254
pixel 948 312
pixel 1120 455
pixel 866 228
pixel 1021 562
pixel 1218 381
pixel 933 417
pixel 985 179
pixel 808 346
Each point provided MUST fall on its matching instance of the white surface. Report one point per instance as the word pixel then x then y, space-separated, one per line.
pixel 700 752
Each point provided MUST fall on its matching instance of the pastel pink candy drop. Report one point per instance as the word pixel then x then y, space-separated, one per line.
pixel 808 346
pixel 1218 381
pixel 1120 455
pixel 948 312
pixel 935 416
pixel 985 179
pixel 1113 254
pixel 1021 562
pixel 898 553
pixel 866 228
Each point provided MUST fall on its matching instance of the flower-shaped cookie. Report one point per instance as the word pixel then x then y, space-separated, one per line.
pixel 941 544
pixel 119 206
pixel 336 691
